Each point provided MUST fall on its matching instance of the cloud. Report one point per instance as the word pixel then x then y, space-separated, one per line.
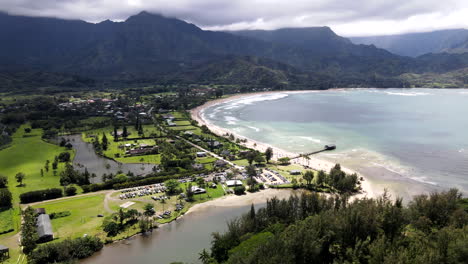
pixel 348 18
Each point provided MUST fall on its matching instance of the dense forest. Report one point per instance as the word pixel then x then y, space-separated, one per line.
pixel 319 229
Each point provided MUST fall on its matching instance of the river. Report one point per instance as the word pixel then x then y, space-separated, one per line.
pixel 184 239
pixel 86 157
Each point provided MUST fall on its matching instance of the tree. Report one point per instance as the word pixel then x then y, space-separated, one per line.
pixel 239 190
pixel 5 198
pixel 308 176
pixel 149 209
pixel 20 177
pixel 105 142
pixel 46 166
pixel 251 172
pixel 250 156
pixel 320 179
pixel 64 157
pixel 70 190
pixel 27 130
pixel 42 172
pixel 204 257
pixel 125 132
pixel 189 192
pixel 111 228
pixel 259 159
pixel 116 135
pixel 268 154
pixel 284 161
pixel 3 181
pixel 171 186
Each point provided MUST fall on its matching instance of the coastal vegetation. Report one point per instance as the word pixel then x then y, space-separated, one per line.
pixel 430 229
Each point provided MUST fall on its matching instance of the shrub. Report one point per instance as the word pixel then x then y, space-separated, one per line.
pixel 59 214
pixel 65 251
pixel 239 190
pixel 70 190
pixel 40 195
pixel 64 157
pixel 3 181
pixel 5 198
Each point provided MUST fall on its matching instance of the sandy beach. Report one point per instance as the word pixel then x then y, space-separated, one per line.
pixel 311 162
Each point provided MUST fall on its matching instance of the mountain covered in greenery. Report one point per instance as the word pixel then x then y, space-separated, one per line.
pixel 416 44
pixel 150 48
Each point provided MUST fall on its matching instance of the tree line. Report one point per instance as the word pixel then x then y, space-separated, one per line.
pixel 316 229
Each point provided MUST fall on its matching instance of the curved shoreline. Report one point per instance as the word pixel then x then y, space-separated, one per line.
pixel 312 162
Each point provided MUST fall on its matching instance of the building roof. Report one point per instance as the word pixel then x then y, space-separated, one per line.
pixel 233 183
pixel 44 227
pixel 3 248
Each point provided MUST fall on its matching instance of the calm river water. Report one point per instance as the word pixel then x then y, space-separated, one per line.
pixel 86 158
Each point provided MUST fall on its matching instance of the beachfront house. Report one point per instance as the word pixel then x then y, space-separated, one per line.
pixel 44 228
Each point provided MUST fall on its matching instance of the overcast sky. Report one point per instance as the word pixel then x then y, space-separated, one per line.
pixel 345 17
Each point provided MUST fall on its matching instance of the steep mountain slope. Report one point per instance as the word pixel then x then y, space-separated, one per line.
pixel 148 44
pixel 151 48
pixel 416 44
pixel 460 48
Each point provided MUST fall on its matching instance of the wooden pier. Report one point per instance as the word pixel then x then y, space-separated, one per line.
pixel 326 148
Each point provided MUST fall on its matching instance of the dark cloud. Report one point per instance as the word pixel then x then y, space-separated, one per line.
pixel 347 17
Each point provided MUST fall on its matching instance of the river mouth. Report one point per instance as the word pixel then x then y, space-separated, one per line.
pixel 86 158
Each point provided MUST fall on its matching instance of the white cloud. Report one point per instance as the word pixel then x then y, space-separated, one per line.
pixel 348 18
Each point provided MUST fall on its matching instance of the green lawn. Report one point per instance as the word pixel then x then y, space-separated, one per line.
pixel 27 154
pixel 6 220
pixel 83 218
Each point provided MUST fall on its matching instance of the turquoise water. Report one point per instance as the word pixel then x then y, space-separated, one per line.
pixel 406 139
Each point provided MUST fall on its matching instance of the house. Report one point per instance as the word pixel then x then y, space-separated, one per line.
pixel 294 172
pixel 220 163
pixel 201 154
pixel 225 152
pixel 214 144
pixel 170 123
pixel 233 183
pixel 44 228
pixel 188 133
pixel 40 211
pixel 4 252
pixel 198 166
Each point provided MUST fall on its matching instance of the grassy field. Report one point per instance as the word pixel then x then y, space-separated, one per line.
pixel 6 220
pixel 27 154
pixel 83 218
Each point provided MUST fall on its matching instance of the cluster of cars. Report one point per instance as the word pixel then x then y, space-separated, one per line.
pixel 179 207
pixel 272 177
pixel 142 191
pixel 166 214
pixel 159 198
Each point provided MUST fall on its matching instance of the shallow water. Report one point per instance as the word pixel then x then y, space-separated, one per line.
pixel 181 240
pixel 86 157
pixel 409 140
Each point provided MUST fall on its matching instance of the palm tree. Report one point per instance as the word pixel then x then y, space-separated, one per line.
pixel 204 257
